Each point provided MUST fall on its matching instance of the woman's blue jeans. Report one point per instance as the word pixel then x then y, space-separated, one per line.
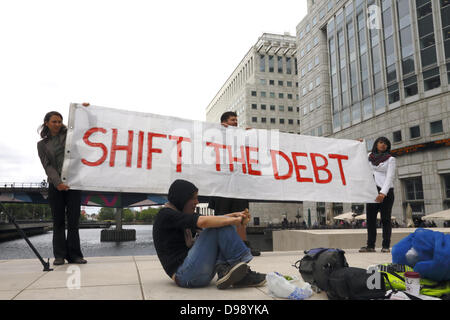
pixel 214 246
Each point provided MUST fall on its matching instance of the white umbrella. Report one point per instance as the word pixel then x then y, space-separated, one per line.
pixel 345 216
pixel 364 217
pixel 441 215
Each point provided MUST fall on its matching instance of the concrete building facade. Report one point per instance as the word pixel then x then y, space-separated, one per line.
pixel 263 91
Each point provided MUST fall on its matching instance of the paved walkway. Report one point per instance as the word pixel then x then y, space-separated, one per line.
pixel 142 278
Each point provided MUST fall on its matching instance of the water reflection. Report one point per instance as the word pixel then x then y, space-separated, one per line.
pixel 90 245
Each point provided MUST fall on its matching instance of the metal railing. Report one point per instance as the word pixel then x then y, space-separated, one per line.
pixel 24 185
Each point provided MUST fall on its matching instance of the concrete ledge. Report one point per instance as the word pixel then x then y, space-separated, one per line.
pixel 288 240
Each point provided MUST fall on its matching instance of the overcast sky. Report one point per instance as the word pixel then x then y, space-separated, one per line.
pixel 164 57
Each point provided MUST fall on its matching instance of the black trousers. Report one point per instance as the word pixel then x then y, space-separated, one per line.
pixel 64 203
pixel 385 209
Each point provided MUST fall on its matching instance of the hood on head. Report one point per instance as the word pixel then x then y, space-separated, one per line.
pixel 180 192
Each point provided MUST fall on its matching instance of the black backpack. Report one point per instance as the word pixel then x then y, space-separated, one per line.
pixel 352 284
pixel 317 265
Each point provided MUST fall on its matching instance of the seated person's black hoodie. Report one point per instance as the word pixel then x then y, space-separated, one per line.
pixel 170 225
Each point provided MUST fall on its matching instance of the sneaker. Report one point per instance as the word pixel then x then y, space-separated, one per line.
pixel 367 249
pixel 227 275
pixel 253 251
pixel 252 279
pixel 385 250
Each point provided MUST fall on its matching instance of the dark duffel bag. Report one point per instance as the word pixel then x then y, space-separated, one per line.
pixel 317 264
pixel 354 284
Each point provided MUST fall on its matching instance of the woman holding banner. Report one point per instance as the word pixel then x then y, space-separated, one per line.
pixel 61 199
pixel 383 165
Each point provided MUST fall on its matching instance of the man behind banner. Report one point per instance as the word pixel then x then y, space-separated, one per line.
pixel 192 258
pixel 222 205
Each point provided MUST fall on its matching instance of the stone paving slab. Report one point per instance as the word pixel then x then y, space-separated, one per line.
pixel 143 278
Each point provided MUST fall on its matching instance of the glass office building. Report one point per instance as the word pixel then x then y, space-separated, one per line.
pixel 384 67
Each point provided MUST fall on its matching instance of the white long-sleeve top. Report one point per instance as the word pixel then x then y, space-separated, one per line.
pixel 384 174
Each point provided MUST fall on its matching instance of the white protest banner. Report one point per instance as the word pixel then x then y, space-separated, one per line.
pixel 124 151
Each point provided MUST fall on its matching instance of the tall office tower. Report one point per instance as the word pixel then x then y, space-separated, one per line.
pixel 371 68
pixel 263 91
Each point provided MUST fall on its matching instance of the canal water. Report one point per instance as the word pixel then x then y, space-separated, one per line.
pixel 90 245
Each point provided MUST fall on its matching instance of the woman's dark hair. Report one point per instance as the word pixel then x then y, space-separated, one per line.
pixel 43 129
pixel 382 139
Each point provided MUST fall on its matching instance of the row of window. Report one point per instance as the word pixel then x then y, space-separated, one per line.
pixel 436 127
pixel 263 94
pixel 414 194
pixel 273 120
pixel 316 18
pixel 272 108
pixel 310 65
pixel 280 83
pixel 284 64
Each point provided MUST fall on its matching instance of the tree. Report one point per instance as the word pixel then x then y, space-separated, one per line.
pixel 128 215
pixel 106 214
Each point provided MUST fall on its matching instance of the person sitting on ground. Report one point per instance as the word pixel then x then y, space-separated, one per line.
pixel 192 257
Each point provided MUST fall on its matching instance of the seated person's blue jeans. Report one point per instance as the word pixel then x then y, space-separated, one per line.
pixel 214 246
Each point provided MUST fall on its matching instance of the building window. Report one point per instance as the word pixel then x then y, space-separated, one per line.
pixel 290 109
pixel 263 94
pixel 272 94
pixel 393 93
pixel 281 121
pixel 436 127
pixel 397 136
pixel 289 96
pixel 289 83
pixel 288 65
pixel 281 95
pixel 446 184
pixel 431 79
pixel 410 85
pixel 291 121
pixel 281 108
pixel 280 64
pixel 445 16
pixel 414 195
pixel 263 107
pixel 280 83
pixel 262 63
pixel 272 120
pixel 414 132
pixel 262 81
pixel 254 119
pixel 271 64
pixel 263 120
pixel 254 106
pixel 272 108
pixel 253 93
pixel 272 82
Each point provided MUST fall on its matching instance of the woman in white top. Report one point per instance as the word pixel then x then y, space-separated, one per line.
pixel 383 165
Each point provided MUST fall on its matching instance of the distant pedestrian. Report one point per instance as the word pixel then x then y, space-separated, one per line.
pixel 62 200
pixel 383 165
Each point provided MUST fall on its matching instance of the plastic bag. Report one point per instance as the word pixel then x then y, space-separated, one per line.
pixel 282 288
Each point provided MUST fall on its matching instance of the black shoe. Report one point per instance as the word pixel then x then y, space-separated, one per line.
pixel 253 251
pixel 78 261
pixel 252 279
pixel 58 261
pixel 367 249
pixel 385 250
pixel 228 275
